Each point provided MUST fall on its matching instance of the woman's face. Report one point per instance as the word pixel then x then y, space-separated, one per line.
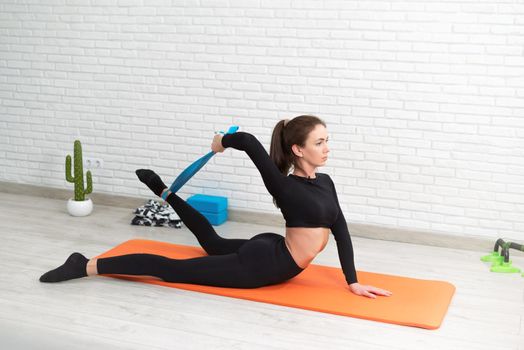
pixel 315 150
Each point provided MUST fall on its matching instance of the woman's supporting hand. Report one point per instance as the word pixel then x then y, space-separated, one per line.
pixel 216 145
pixel 368 291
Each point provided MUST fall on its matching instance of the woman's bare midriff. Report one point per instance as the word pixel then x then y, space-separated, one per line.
pixel 304 243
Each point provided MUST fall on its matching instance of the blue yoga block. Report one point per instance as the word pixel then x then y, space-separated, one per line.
pixel 214 208
pixel 215 218
pixel 212 204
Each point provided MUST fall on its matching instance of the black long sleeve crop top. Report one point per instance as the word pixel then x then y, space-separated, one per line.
pixel 304 202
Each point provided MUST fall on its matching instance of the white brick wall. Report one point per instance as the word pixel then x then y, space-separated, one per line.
pixel 424 100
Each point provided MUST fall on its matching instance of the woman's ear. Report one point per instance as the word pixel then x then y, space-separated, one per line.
pixel 297 150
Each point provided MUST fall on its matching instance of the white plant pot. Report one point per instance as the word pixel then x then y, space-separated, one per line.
pixel 79 208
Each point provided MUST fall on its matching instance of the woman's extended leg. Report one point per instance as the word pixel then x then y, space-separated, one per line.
pixel 213 270
pixel 212 243
pixel 261 261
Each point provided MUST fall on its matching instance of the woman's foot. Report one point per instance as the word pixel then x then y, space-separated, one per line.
pixel 151 180
pixel 74 267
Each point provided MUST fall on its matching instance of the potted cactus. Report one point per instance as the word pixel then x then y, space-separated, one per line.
pixel 79 205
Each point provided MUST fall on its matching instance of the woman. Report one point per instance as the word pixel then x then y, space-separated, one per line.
pixel 307 199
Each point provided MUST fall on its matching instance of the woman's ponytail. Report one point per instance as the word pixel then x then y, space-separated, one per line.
pixel 277 151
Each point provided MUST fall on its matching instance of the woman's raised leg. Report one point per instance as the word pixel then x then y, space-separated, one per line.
pixel 206 235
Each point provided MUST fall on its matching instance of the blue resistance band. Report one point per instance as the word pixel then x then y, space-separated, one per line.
pixel 165 194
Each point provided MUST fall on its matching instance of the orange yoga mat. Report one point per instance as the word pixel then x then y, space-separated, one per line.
pixel 415 302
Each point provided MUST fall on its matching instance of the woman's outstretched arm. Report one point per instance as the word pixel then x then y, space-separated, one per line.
pixel 345 248
pixel 347 259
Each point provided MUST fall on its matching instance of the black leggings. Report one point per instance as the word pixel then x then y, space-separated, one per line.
pixel 238 263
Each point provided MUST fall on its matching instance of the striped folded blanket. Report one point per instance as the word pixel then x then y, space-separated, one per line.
pixel 155 214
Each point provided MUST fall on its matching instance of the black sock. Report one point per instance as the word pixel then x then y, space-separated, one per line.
pixel 152 180
pixel 74 267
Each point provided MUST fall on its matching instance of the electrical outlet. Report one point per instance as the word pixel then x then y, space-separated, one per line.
pixel 93 163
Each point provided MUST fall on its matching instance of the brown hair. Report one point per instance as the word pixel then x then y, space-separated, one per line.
pixel 288 133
